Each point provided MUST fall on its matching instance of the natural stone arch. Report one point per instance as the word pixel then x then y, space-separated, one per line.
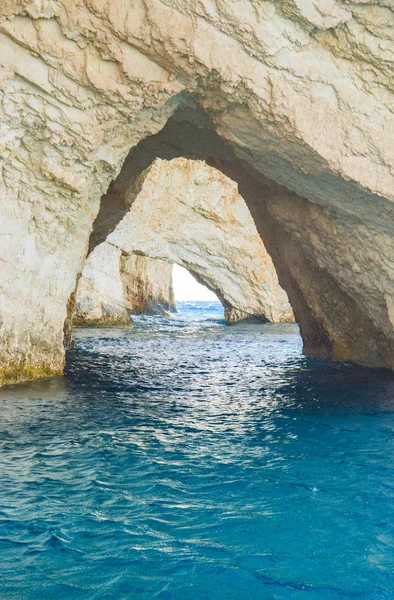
pixel 190 214
pixel 326 303
pixel 302 97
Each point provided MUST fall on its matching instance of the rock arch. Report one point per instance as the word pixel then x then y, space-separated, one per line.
pixel 188 213
pixel 292 102
pixel 312 245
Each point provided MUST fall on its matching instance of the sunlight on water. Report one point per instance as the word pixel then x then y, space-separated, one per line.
pixel 185 459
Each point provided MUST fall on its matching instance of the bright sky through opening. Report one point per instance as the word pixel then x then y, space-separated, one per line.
pixel 187 288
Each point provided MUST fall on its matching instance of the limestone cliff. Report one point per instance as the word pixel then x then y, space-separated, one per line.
pixel 293 99
pixel 114 285
pixel 147 285
pixel 100 300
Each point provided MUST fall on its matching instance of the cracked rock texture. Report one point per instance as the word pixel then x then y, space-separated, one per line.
pixel 114 285
pixel 293 99
pixel 189 213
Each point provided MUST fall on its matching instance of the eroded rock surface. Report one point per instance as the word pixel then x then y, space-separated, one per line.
pixel 147 285
pixel 191 214
pixel 114 285
pixel 293 99
pixel 100 300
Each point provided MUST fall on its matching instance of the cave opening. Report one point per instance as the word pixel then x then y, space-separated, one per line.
pixel 187 288
pixel 316 300
pixel 186 212
pixel 190 135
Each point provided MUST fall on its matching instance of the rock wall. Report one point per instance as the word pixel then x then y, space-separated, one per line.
pixel 191 214
pixel 114 285
pixel 100 300
pixel 147 284
pixel 293 100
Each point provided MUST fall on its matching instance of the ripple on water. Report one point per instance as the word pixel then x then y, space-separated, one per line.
pixel 185 459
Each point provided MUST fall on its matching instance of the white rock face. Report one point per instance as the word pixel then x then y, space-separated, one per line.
pixel 114 285
pixel 191 214
pixel 147 284
pixel 293 99
pixel 100 298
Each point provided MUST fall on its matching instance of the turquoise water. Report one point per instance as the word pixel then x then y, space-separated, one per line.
pixel 189 460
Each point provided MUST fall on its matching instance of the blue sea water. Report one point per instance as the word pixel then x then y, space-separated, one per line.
pixel 189 460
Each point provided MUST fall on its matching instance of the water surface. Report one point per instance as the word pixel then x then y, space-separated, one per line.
pixel 189 460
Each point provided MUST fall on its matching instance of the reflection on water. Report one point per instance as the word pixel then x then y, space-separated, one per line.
pixel 186 459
